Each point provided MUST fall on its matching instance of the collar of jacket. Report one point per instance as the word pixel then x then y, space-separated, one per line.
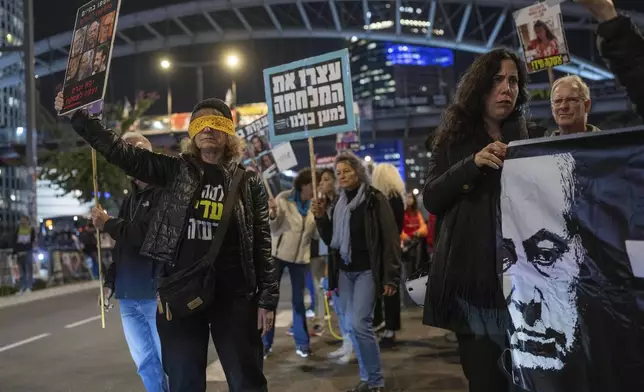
pixel 589 128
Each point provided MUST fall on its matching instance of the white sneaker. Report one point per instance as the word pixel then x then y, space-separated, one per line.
pixel 347 348
pixel 345 359
pixel 310 314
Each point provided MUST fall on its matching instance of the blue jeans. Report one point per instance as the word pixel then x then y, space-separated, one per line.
pixel 26 265
pixel 298 280
pixel 344 319
pixel 358 297
pixel 310 286
pixel 140 329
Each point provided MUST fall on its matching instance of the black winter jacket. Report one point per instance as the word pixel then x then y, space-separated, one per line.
pixel 131 275
pixel 182 179
pixel 383 242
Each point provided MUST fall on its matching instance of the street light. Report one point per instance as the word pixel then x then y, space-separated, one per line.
pixel 166 64
pixel 233 63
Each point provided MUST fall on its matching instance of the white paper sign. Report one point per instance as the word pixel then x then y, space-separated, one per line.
pixel 284 156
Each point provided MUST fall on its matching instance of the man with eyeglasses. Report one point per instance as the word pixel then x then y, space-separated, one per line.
pixel 570 99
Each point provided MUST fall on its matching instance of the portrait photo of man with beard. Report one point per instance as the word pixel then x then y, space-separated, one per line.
pixel 572 219
pixel 100 59
pixel 91 37
pixel 107 27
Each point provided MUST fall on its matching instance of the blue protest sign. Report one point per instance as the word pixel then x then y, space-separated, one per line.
pixel 310 97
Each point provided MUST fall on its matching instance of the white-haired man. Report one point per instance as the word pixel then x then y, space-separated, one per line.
pixel 570 99
pixel 131 278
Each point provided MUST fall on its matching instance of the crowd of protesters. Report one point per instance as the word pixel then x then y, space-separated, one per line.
pixel 368 229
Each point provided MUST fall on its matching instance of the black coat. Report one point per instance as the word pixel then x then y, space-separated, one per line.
pixel 182 179
pixel 383 242
pixel 465 276
pixel 132 275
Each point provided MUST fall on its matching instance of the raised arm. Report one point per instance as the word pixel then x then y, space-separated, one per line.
pixel 621 45
pixel 139 163
pixel 267 283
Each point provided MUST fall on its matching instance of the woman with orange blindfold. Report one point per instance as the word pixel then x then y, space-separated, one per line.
pixel 180 234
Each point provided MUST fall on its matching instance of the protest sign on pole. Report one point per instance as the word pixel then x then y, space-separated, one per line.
pixel 310 98
pixel 543 41
pixel 90 54
pixel 573 262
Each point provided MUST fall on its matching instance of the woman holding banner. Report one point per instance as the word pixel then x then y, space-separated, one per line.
pixel 365 258
pixel 181 234
pixel 293 224
pixel 464 291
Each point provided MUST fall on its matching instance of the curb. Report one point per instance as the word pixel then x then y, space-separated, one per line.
pixel 52 292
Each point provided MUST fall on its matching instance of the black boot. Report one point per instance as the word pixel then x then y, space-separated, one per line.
pixel 361 387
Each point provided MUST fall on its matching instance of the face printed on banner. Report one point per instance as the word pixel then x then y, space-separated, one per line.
pixel 86 65
pixel 92 36
pixel 541 259
pixel 79 40
pixel 569 108
pixel 501 100
pixel 258 145
pixel 267 161
pixel 72 68
pixel 107 26
pixel 100 60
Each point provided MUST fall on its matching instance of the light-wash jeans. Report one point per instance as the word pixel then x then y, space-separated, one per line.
pixel 140 329
pixel 344 319
pixel 358 298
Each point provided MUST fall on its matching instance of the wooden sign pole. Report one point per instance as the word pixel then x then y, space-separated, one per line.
pixel 98 238
pixel 313 172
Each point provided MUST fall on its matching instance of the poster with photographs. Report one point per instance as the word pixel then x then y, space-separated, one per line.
pixel 258 156
pixel 572 258
pixel 310 97
pixel 543 40
pixel 90 54
pixel 347 141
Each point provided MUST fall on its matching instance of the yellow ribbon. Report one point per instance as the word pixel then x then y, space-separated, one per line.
pixel 219 123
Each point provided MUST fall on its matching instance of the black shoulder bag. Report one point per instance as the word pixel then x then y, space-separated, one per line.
pixel 192 289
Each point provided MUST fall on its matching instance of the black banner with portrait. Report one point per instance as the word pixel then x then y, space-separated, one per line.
pixel 90 54
pixel 572 257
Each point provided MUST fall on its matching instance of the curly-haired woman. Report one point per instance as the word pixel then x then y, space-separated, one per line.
pixel 464 291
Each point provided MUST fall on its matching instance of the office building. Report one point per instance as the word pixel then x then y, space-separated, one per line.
pixel 14 191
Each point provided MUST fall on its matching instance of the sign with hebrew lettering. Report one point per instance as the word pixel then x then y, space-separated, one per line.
pixel 541 30
pixel 572 258
pixel 90 54
pixel 310 97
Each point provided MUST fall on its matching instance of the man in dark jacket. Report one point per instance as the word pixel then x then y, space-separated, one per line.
pixel 131 277
pixel 23 247
pixel 180 234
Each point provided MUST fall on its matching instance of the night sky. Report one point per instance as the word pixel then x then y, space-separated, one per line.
pixel 131 74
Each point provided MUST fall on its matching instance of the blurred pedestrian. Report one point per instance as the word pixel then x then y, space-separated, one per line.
pixel 24 242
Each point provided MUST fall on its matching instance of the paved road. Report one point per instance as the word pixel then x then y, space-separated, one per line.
pixel 57 345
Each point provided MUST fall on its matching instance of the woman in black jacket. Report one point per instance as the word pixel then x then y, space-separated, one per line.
pixel 464 291
pixel 365 258
pixel 181 233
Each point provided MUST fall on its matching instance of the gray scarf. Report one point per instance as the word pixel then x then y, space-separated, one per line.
pixel 341 222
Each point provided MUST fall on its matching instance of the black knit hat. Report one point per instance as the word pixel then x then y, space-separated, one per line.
pixel 213 103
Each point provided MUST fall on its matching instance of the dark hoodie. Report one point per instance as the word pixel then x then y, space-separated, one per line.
pixel 132 276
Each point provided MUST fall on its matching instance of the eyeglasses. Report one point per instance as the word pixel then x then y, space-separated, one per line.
pixel 570 100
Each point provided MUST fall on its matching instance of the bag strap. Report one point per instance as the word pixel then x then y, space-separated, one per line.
pixel 222 228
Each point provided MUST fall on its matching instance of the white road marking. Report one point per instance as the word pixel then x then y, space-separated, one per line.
pixel 87 320
pixel 214 371
pixel 22 342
